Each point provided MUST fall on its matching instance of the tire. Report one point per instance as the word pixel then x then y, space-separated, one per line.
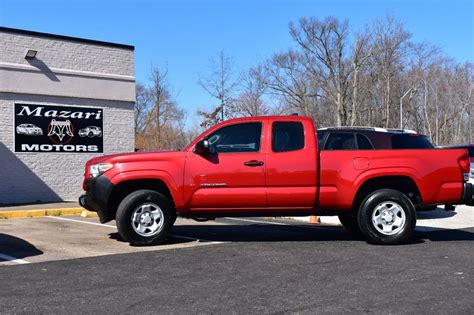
pixel 144 217
pixel 387 217
pixel 349 222
pixel 91 134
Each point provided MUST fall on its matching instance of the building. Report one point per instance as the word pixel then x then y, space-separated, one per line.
pixel 63 100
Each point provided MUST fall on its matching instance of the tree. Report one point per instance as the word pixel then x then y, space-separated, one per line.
pixel 250 102
pixel 159 116
pixel 387 60
pixel 220 83
pixel 142 106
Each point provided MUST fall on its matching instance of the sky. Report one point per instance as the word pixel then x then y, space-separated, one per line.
pixel 183 35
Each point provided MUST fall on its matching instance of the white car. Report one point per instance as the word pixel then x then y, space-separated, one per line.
pixel 91 131
pixel 29 130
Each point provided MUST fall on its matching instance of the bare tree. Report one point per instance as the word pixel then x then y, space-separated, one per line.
pixel 221 84
pixel 162 113
pixel 250 102
pixel 142 106
pixel 390 41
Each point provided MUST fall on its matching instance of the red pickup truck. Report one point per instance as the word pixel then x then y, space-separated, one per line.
pixel 271 166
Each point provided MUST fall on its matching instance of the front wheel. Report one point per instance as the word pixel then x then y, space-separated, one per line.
pixel 144 217
pixel 387 216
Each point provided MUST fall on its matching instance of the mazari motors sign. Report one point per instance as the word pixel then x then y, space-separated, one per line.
pixel 45 128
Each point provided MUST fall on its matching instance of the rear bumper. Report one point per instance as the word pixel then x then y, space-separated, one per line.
pixel 468 194
pixel 96 198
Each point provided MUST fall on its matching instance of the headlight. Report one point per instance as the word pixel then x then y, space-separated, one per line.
pixel 99 169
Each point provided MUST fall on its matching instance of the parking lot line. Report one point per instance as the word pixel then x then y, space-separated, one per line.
pixel 256 221
pixel 13 259
pixel 79 221
pixel 114 227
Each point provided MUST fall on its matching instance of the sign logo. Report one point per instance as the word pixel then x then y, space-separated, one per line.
pixel 46 128
pixel 60 129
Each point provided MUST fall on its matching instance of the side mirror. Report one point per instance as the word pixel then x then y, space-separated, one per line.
pixel 202 147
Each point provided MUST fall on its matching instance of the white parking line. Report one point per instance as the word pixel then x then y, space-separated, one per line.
pixel 256 221
pixel 114 227
pixel 79 221
pixel 13 259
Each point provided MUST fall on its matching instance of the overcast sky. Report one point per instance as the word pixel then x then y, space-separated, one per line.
pixel 185 34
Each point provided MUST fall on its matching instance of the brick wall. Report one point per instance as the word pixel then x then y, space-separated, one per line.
pixel 46 177
pixel 64 54
pixel 32 177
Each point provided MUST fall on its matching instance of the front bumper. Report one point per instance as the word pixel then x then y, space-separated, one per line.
pixel 468 194
pixel 96 198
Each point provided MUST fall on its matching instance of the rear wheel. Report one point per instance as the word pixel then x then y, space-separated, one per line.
pixel 145 217
pixel 387 216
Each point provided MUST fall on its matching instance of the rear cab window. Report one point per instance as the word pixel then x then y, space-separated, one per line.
pixel 287 136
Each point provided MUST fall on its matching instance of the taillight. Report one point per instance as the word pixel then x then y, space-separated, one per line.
pixel 465 166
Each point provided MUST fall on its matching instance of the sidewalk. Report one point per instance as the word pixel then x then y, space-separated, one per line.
pixel 43 209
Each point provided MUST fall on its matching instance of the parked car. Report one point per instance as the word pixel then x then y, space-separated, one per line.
pixel 369 138
pixel 91 131
pixel 29 130
pixel 271 166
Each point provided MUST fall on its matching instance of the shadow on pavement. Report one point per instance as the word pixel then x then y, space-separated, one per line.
pixel 296 233
pixel 171 240
pixel 17 247
pixel 439 213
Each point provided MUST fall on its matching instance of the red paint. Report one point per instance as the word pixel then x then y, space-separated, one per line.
pixel 301 180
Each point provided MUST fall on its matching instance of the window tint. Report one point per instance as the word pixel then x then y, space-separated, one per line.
pixel 340 141
pixel 236 138
pixel 364 143
pixel 411 141
pixel 287 136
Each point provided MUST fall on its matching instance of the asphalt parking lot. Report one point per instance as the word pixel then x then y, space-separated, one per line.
pixel 70 264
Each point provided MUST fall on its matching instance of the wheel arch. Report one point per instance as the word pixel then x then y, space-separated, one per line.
pixel 125 187
pixel 402 183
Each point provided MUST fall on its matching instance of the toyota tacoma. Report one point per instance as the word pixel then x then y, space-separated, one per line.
pixel 272 166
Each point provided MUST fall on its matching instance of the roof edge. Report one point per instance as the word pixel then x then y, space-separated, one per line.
pixel 64 37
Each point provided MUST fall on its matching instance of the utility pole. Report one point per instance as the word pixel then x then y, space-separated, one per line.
pixel 412 92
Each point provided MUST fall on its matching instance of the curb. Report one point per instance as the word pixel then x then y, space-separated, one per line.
pixel 17 214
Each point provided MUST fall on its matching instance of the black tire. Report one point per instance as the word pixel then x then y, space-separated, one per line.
pixel 399 208
pixel 349 222
pixel 91 134
pixel 135 201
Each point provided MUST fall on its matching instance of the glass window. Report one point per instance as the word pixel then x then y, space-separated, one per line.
pixel 236 138
pixel 364 143
pixel 287 136
pixel 340 141
pixel 411 141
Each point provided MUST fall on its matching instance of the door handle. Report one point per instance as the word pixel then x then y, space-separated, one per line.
pixel 253 163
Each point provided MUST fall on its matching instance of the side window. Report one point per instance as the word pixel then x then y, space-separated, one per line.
pixel 364 143
pixel 287 136
pixel 236 138
pixel 340 141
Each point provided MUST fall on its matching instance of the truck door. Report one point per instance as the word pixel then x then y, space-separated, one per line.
pixel 292 166
pixel 232 177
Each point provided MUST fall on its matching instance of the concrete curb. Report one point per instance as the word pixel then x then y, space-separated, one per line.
pixel 17 214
